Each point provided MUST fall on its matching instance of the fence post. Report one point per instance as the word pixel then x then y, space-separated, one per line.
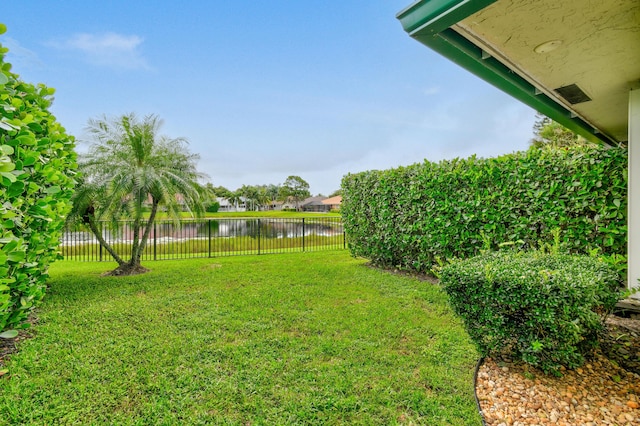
pixel 258 236
pixel 209 235
pixel 303 233
pixel 155 241
pixel 100 245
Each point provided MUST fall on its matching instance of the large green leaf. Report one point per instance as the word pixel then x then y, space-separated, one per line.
pixel 9 334
pixel 6 166
pixel 52 189
pixel 6 149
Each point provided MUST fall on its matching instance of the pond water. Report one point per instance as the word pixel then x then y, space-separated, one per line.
pixel 216 228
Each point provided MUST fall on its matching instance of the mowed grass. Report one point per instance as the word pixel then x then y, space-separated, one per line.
pixel 300 339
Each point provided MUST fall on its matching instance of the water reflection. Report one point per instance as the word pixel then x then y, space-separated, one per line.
pixel 216 228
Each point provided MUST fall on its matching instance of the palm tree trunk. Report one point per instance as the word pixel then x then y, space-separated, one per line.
pixel 147 229
pixel 135 246
pixel 136 251
pixel 103 243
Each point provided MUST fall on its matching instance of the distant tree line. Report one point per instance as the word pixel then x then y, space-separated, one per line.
pixel 259 197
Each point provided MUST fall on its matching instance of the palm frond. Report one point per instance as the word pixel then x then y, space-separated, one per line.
pixel 129 164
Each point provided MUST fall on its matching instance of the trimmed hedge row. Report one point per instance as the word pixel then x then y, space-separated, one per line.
pixel 37 163
pixel 418 217
pixel 544 309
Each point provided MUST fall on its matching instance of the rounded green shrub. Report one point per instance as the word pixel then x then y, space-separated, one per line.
pixel 37 168
pixel 545 309
pixel 213 207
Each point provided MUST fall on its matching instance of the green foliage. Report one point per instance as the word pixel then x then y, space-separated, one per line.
pixel 218 191
pixel 128 167
pixel 294 188
pixel 549 133
pixel 419 216
pixel 213 207
pixel 37 166
pixel 253 196
pixel 545 309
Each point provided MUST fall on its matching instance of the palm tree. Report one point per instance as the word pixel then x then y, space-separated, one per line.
pixel 128 166
pixel 235 198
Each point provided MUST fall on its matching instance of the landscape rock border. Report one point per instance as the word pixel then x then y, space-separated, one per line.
pixel 599 392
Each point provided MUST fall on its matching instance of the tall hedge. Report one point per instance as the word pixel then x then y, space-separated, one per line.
pixel 418 216
pixel 37 167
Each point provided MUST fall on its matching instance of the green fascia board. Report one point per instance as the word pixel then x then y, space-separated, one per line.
pixel 464 53
pixel 433 16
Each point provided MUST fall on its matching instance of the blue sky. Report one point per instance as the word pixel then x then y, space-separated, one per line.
pixel 264 90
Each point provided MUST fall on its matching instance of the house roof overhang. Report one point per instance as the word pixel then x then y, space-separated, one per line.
pixel 574 61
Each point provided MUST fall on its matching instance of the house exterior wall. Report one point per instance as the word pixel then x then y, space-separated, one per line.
pixel 227 206
pixel 313 207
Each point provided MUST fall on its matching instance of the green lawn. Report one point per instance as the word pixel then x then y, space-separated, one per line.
pixel 308 338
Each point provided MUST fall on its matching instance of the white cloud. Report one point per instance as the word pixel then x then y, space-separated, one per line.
pixel 21 56
pixel 430 91
pixel 107 50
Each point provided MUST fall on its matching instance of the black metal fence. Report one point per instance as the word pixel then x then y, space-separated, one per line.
pixel 208 238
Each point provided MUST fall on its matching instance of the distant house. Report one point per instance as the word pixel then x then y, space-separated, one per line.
pixel 179 199
pixel 275 205
pixel 228 206
pixel 333 203
pixel 314 204
pixel 289 205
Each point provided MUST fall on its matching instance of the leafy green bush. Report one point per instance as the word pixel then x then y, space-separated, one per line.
pixel 545 309
pixel 213 207
pixel 37 164
pixel 418 216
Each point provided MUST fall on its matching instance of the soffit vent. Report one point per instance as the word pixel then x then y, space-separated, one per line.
pixel 573 94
